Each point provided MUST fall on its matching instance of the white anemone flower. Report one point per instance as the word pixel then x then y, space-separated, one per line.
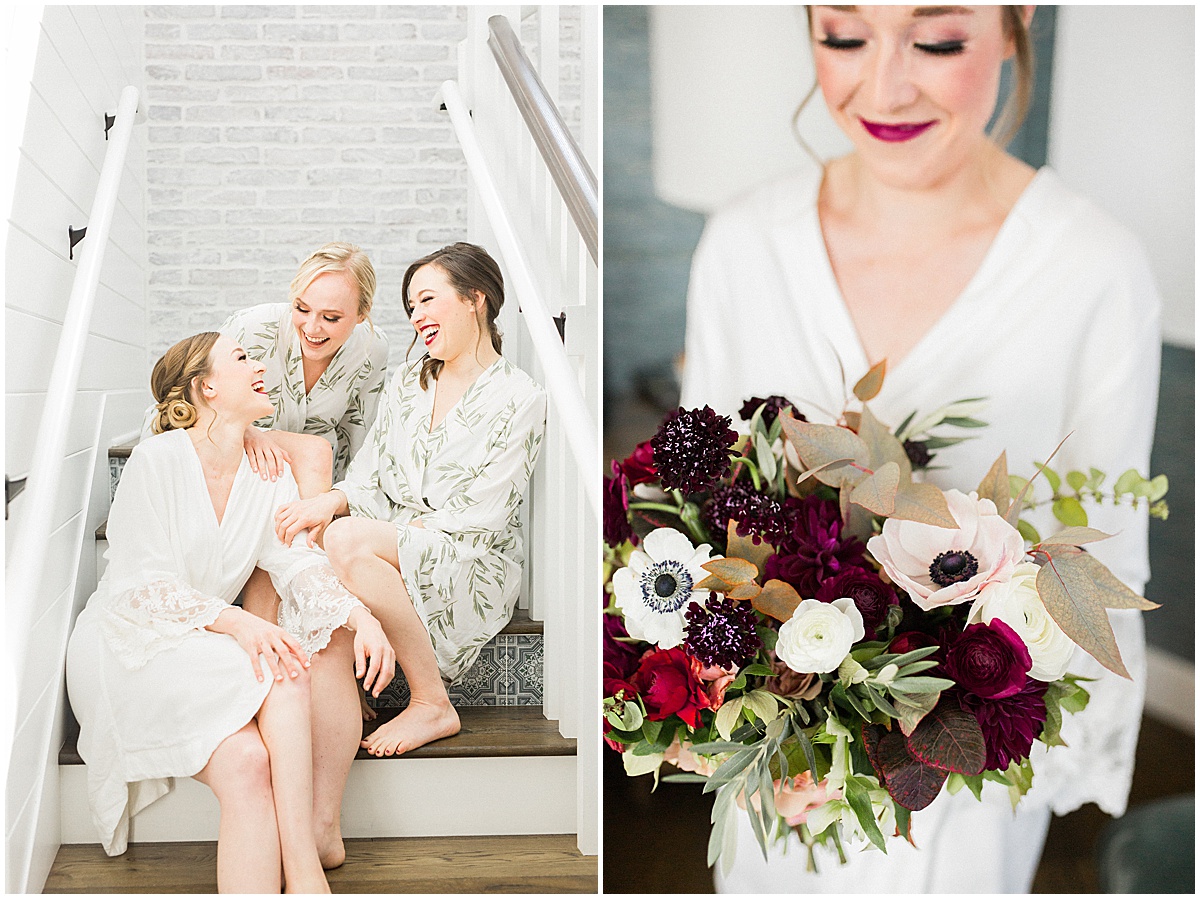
pixel 654 591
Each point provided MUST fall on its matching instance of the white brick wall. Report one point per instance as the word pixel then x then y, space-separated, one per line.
pixel 273 129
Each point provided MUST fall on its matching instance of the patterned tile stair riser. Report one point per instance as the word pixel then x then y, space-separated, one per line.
pixel 507 672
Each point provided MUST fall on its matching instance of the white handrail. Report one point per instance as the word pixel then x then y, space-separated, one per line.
pixel 28 558
pixel 561 381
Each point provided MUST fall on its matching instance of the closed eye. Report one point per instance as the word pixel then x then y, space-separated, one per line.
pixel 837 43
pixel 942 48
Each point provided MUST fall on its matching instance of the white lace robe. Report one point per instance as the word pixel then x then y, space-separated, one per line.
pixel 465 480
pixel 1059 328
pixel 155 692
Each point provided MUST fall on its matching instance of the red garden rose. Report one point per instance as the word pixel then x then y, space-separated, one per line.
pixel 669 683
pixel 989 660
pixel 639 467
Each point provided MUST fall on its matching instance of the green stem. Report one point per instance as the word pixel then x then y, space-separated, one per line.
pixel 745 460
pixel 658 507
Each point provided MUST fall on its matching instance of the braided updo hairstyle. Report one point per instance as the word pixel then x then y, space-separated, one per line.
pixel 172 378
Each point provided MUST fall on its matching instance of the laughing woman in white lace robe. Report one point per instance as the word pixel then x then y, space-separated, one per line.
pixel 168 679
pixel 433 545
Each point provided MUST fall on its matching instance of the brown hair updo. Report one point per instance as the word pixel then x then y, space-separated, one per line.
pixel 468 268
pixel 172 378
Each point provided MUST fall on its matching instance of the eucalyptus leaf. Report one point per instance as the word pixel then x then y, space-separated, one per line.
pixel 924 503
pixel 882 446
pixel 1076 536
pixel 1076 480
pixel 871 383
pixel 877 492
pixel 1071 598
pixel 819 445
pixel 911 685
pixel 995 486
pixel 1028 532
pixel 1070 512
pixel 1051 476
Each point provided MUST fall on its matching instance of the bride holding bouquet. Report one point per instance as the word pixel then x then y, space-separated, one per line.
pixel 972 275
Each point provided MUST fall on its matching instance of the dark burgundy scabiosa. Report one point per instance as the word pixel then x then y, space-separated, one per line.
pixel 989 660
pixel 918 453
pixel 616 508
pixel 813 548
pixel 639 467
pixel 870 594
pixel 775 404
pixel 1009 725
pixel 691 449
pixel 722 633
pixel 755 513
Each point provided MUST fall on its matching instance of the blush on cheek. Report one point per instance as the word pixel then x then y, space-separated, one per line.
pixel 971 88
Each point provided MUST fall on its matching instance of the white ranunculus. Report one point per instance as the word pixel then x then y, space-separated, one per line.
pixel 655 590
pixel 1018 605
pixel 819 635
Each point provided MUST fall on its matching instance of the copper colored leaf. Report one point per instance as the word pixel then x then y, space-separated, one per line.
pixel 908 780
pixel 1076 536
pixel 744 591
pixel 950 739
pixel 994 485
pixel 882 445
pixel 912 708
pixel 871 383
pixel 731 571
pixel 923 503
pixel 754 550
pixel 820 445
pixel 778 599
pixel 878 491
pixel 1108 587
pixel 1076 604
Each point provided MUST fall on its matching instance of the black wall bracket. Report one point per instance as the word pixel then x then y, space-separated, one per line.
pixel 75 235
pixel 109 120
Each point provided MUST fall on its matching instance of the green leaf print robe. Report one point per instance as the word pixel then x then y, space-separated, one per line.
pixel 465 480
pixel 341 406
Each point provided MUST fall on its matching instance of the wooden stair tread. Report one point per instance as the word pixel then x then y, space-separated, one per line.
pixel 122 451
pixel 487 731
pixel 535 863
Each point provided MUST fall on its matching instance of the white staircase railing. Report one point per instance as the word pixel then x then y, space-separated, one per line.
pixel 28 558
pixel 528 182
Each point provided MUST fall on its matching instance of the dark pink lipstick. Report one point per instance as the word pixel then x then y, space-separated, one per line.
pixel 896 133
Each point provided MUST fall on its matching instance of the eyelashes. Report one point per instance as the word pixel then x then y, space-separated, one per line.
pixel 941 48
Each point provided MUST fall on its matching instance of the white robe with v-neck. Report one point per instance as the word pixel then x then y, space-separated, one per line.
pixel 1059 329
pixel 465 479
pixel 154 692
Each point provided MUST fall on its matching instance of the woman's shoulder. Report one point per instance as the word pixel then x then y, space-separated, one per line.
pixel 770 203
pixel 518 381
pixel 158 449
pixel 265 314
pixel 1075 227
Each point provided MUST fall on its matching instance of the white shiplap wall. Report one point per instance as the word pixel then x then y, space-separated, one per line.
pixel 85 56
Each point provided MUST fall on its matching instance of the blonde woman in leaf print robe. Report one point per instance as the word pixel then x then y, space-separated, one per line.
pixel 433 543
pixel 325 366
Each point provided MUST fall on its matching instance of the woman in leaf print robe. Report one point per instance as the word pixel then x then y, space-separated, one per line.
pixel 325 371
pixel 433 544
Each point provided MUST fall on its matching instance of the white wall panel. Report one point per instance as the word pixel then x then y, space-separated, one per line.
pixel 57 87
pixel 22 412
pixel 43 210
pixel 39 280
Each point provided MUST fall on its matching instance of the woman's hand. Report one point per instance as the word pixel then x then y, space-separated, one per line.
pixel 266 456
pixel 257 636
pixel 374 658
pixel 313 514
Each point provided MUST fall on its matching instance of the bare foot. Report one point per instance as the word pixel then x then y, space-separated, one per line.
pixel 330 848
pixel 420 723
pixel 368 713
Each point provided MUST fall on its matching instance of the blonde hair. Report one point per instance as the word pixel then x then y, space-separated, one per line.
pixel 172 379
pixel 338 257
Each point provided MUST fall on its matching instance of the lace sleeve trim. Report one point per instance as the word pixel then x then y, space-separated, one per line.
pixel 315 606
pixel 142 622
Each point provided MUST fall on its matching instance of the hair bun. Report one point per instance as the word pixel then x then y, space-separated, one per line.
pixel 176 414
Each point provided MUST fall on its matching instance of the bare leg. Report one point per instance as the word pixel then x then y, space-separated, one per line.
pixel 363 554
pixel 259 596
pixel 239 773
pixel 336 732
pixel 285 722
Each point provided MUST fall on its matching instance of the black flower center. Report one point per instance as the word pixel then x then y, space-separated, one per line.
pixel 666 586
pixel 953 567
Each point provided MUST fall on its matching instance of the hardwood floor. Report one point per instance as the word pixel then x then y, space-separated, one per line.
pixel 484 864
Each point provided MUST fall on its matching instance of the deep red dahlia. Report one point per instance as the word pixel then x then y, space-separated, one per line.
pixel 813 549
pixel 1010 725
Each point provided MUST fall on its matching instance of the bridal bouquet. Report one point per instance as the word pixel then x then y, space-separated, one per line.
pixel 826 641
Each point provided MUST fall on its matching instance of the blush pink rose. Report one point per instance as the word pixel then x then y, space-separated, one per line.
pixel 795 797
pixel 716 681
pixel 946 566
pixel 682 758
